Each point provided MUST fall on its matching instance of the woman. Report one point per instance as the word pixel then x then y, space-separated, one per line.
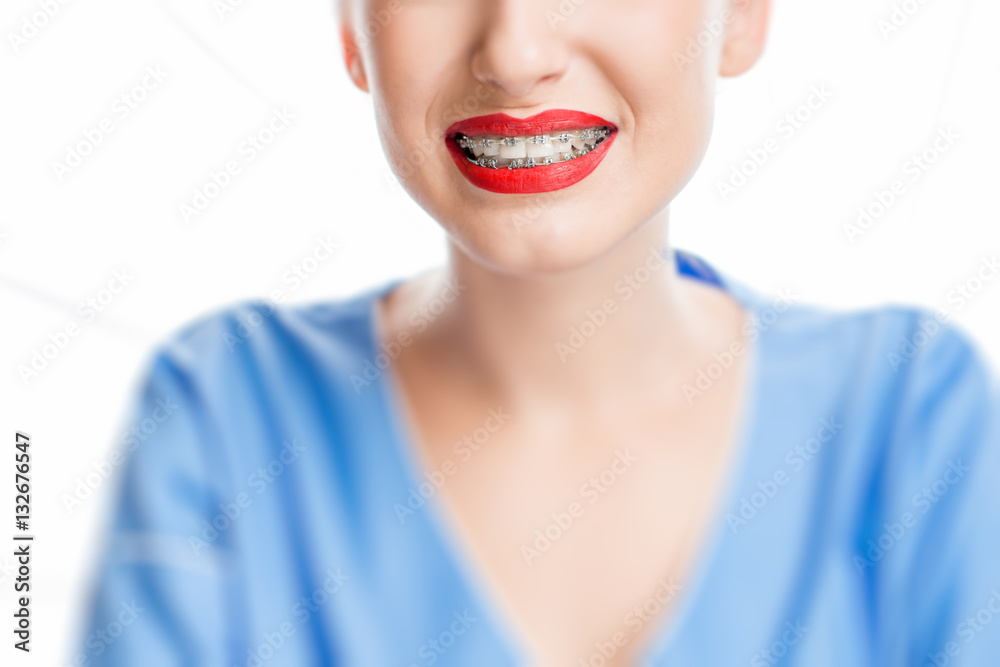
pixel 572 445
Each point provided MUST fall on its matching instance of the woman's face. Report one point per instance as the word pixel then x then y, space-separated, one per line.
pixel 636 76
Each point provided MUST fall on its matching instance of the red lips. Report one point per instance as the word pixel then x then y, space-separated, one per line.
pixel 544 178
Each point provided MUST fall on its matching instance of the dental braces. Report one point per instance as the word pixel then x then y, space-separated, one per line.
pixel 528 163
pixel 564 138
pixel 596 135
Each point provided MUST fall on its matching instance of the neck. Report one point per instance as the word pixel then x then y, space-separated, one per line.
pixel 624 325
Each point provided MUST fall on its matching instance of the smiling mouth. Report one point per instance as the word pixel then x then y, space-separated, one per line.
pixel 552 150
pixel 530 151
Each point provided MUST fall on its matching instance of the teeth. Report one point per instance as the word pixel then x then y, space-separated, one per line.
pixel 496 152
pixel 563 142
pixel 512 151
pixel 544 149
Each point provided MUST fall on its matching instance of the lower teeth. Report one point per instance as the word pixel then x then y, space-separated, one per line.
pixel 591 139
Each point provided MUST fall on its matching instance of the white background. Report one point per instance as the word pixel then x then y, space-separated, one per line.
pixel 61 240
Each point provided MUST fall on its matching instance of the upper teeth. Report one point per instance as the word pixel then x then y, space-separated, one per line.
pixel 528 151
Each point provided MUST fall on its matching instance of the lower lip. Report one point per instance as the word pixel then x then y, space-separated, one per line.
pixel 530 180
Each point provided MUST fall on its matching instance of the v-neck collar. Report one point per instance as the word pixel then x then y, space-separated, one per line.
pixel 670 629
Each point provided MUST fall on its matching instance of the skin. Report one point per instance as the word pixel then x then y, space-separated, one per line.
pixel 530 268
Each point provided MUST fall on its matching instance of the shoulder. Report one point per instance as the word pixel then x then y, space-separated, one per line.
pixel 257 323
pixel 910 477
pixel 920 402
pixel 252 376
pixel 902 347
pixel 912 388
pixel 265 337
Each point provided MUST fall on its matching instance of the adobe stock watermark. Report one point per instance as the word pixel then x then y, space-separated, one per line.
pixel 968 629
pixel 713 29
pixel 42 357
pixel 31 25
pixel 900 15
pixel 563 520
pixel 562 12
pixel 471 104
pixel 633 622
pixel 923 501
pixel 537 204
pixel 98 642
pixel 163 409
pixel 435 647
pixel 259 481
pixel 929 327
pixel 627 286
pixel 787 127
pixel 218 180
pixel 76 153
pixel 776 652
pixel 968 289
pixel 377 22
pixel 463 449
pixel 413 162
pixel 8 568
pixel 296 275
pixel 307 606
pixel 223 8
pixel 249 323
pixel 271 642
pixel 464 108
pixel 415 159
pixel 769 487
pixel 915 167
pixel 419 320
pixel 758 323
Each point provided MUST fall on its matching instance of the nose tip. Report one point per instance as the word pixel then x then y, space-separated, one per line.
pixel 518 55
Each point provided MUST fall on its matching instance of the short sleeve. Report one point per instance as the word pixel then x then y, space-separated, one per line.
pixel 163 592
pixel 944 515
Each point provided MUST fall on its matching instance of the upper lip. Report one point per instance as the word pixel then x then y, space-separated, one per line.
pixel 549 121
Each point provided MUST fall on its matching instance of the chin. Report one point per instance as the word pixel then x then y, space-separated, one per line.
pixel 551 244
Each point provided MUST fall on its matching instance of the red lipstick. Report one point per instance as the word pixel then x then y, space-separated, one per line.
pixel 529 180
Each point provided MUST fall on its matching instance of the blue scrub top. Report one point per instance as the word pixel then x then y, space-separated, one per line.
pixel 271 511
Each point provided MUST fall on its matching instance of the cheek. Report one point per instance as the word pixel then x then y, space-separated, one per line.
pixel 642 48
pixel 410 65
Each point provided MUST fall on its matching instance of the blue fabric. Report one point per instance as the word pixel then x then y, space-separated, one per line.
pixel 862 525
pixel 693 266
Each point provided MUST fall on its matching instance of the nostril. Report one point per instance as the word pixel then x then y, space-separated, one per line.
pixel 549 78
